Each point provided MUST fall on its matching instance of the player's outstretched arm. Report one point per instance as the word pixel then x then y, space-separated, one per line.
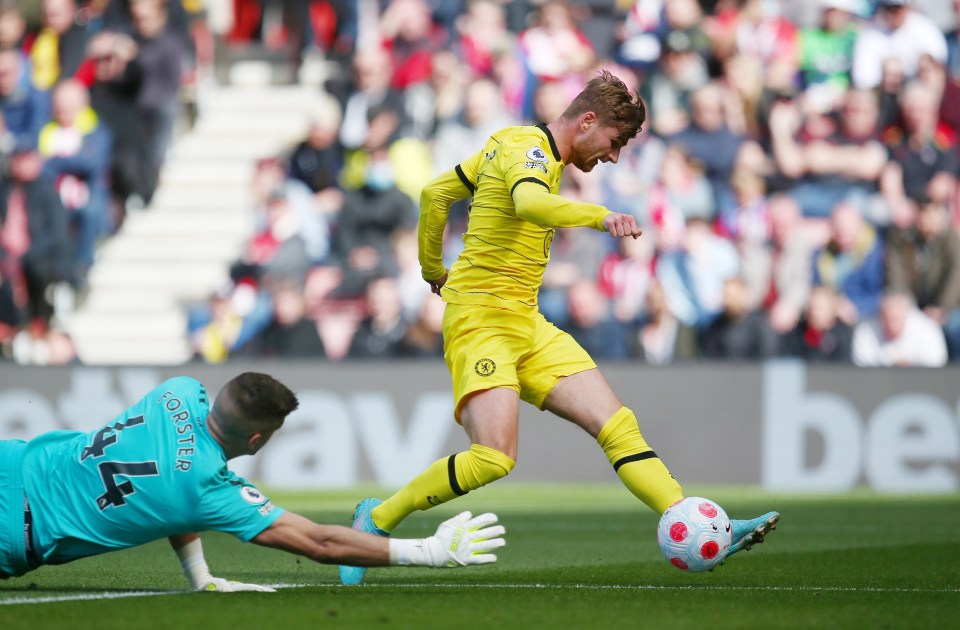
pixel 190 551
pixel 460 541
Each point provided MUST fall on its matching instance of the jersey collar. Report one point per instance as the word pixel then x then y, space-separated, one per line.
pixel 553 145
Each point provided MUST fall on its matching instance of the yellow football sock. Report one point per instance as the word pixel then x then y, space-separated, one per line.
pixel 638 467
pixel 443 480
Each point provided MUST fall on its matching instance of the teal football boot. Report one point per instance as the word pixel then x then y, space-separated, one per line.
pixel 362 521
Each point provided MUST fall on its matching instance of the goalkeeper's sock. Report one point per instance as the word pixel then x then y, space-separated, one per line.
pixel 443 480
pixel 638 467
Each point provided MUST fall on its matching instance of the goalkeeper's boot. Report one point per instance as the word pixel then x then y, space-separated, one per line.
pixel 362 521
pixel 751 532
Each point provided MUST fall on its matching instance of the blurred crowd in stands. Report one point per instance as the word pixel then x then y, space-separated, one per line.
pixel 797 177
pixel 89 94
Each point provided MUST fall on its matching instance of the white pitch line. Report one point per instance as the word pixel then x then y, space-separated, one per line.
pixel 594 587
pixel 84 596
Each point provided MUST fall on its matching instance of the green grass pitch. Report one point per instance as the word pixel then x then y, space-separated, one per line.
pixel 576 557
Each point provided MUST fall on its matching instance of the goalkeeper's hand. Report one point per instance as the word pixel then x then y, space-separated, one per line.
pixel 220 585
pixel 466 539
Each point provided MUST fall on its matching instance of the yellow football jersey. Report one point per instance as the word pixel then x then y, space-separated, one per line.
pixel 504 256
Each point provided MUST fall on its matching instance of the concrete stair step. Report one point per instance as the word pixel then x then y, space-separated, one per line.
pixel 160 248
pixel 205 172
pixel 256 99
pixel 112 350
pixel 128 301
pixel 203 196
pixel 288 125
pixel 180 279
pixel 225 147
pixel 177 224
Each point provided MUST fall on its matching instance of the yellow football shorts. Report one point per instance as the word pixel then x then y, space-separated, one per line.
pixel 487 347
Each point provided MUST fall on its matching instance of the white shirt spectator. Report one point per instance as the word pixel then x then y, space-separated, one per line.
pixel 900 335
pixel 917 36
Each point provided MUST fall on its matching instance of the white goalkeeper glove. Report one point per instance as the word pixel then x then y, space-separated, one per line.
pixel 460 541
pixel 221 585
pixel 198 573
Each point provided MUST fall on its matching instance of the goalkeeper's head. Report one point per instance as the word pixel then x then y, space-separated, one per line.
pixel 247 412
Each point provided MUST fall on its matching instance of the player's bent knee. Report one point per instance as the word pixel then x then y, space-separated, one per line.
pixel 481 465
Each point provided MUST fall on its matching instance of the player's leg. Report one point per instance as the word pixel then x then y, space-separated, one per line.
pixel 490 420
pixel 559 375
pixel 587 400
pixel 480 347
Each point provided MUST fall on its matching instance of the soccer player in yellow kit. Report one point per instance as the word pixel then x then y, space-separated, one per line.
pixel 499 348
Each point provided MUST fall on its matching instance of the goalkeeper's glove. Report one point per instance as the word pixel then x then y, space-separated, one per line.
pixel 460 541
pixel 198 573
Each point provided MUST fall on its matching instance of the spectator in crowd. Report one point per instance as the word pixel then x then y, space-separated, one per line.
pixel 835 165
pixel 76 149
pixel 553 47
pixel 739 332
pixel 749 221
pixel 899 335
pixel 408 157
pixel 25 108
pixel 777 271
pixel 625 277
pixel 851 263
pixel 117 79
pixel 215 339
pixel 591 323
pixel 481 116
pixel 382 332
pixel 290 333
pixel 693 275
pixel 575 254
pixel 411 37
pixel 924 260
pixel 898 33
pixel 756 28
pixel 661 337
pixel 371 89
pixel 13 28
pixel 371 215
pixel 318 159
pixel 482 34
pixel 826 51
pixel 679 72
pixel 820 335
pixel 710 142
pixel 277 252
pixel 25 190
pixel 640 33
pixel 424 336
pixel 439 100
pixel 953 46
pixel 58 48
pixel 924 162
pixel 160 57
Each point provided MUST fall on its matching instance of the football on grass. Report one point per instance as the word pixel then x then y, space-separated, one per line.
pixel 694 534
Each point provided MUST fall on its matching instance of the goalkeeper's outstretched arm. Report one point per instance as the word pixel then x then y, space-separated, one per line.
pixel 460 541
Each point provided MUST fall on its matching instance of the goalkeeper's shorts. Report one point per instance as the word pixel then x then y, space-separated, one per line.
pixel 487 347
pixel 13 547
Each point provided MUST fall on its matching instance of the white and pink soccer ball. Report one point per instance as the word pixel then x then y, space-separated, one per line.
pixel 694 534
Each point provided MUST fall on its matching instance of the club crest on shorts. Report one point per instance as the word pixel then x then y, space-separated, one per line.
pixel 485 367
